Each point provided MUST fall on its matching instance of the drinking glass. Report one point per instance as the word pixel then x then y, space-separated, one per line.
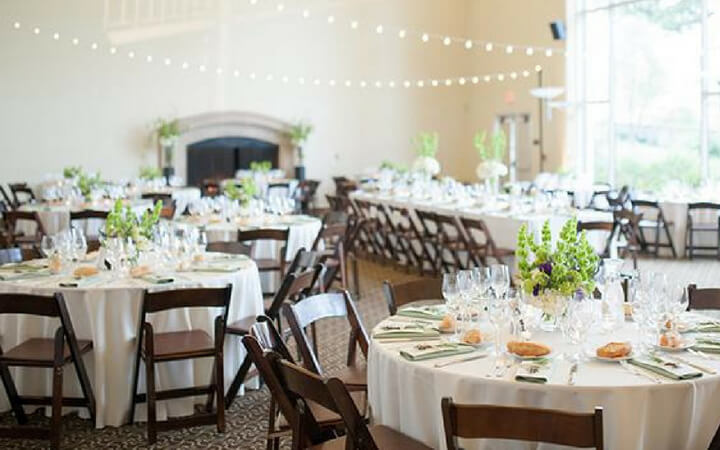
pixel 47 245
pixel 465 289
pixel 499 279
pixel 498 312
pixel 79 243
pixel 451 294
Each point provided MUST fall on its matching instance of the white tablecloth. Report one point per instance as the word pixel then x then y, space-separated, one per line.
pixel 108 314
pixel 56 218
pixel 503 225
pixel 638 414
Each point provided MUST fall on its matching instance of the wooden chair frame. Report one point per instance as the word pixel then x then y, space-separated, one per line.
pixel 53 307
pixel 690 230
pixel 599 226
pixel 403 230
pixel 167 300
pixel 479 252
pixel 268 234
pixel 399 294
pixel 659 225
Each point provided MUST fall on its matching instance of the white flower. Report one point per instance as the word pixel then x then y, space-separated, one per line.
pixel 427 164
pixel 491 169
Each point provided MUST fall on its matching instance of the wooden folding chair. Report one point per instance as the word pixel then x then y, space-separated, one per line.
pixel 22 194
pixel 50 353
pixel 658 224
pixel 154 348
pixel 705 227
pixel 592 227
pixel 480 243
pixel 399 294
pixel 13 217
pixel 294 287
pixel 93 242
pixel 271 265
pixel 230 247
pixel 523 424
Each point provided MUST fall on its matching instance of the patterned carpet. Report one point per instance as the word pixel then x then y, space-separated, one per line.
pixel 247 419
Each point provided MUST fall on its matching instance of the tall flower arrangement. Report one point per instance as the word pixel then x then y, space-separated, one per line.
pixel 491 166
pixel 550 276
pixel 243 193
pixel 426 146
pixel 125 224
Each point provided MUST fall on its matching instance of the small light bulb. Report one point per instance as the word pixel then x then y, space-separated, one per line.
pixel 447 40
pixel 548 52
pixel 93 46
pixel 402 34
pixel 513 75
pixel 378 84
pixel 331 19
pixel 316 82
pixel 306 13
pixel 420 83
pixel 363 84
pixel 434 83
pixel 56 36
pixel 379 29
pixel 348 83
pixel 167 61
pixel 148 58
pixel 332 83
pixel 252 75
pixel 486 78
pixel 468 44
pixel 219 71
pixel 280 7
pixel 509 49
pixel 425 37
pixel 269 77
pixel 185 65
pixel 301 81
pixel 354 24
pixel 448 82
pixel 500 77
pixel 285 79
pixel 75 41
pixel 236 73
pixel 113 50
pixel 253 2
pixel 203 68
pixel 36 30
pixel 391 84
pixel 488 47
pixel 538 68
pixel 16 25
pixel 461 81
pixel 526 73
pixel 529 51
pixel 406 83
pixel 131 55
pixel 475 80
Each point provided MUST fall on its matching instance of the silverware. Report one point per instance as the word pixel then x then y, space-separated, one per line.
pixel 458 361
pixel 573 373
pixel 634 370
pixel 702 354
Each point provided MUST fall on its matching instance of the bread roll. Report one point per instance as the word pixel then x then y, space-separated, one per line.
pixel 472 337
pixel 529 349
pixel 447 323
pixel 85 271
pixel 614 350
pixel 140 271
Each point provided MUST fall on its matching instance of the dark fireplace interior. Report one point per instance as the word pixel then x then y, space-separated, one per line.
pixel 220 158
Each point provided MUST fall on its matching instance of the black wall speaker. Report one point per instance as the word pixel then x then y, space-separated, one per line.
pixel 558 30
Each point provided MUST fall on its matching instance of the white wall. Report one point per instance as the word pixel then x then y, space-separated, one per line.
pixel 63 105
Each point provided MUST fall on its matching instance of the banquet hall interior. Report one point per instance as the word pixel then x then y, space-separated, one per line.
pixel 366 224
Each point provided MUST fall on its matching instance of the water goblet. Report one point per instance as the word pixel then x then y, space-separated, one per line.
pixel 499 279
pixel 451 294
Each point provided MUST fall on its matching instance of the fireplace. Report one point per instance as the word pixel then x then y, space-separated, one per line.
pixel 220 158
pixel 216 144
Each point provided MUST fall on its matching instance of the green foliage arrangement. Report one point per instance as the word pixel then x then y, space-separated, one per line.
pixel 242 193
pixel 261 166
pixel 299 133
pixel 570 268
pixel 496 150
pixel 167 128
pixel 87 182
pixel 124 223
pixel 426 144
pixel 397 167
pixel 72 171
pixel 150 173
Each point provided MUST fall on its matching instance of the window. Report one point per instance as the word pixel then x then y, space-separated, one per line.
pixel 646 116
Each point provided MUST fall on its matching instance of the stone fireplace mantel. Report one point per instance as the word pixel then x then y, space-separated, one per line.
pixel 212 125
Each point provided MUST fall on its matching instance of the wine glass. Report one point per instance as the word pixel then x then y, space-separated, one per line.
pixel 79 243
pixel 451 294
pixel 498 314
pixel 47 245
pixel 465 289
pixel 499 279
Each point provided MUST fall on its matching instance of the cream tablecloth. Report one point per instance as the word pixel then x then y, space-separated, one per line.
pixel 107 312
pixel 638 414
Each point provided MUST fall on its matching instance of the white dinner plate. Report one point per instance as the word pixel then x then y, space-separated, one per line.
pixel 686 345
pixel 621 358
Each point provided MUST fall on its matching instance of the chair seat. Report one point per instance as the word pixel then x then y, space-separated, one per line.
pixel 324 416
pixel 267 264
pixel 386 438
pixel 41 350
pixel 241 327
pixel 354 377
pixel 182 344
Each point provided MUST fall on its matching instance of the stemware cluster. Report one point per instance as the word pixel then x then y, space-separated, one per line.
pixel 69 245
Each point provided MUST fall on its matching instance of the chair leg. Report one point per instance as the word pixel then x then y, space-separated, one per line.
pixel 669 238
pixel 56 419
pixel 356 277
pixel 237 382
pixel 220 390
pixel 136 376
pixel 150 389
pixel 12 394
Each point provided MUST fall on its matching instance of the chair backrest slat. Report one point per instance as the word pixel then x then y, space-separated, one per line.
pixel 231 247
pixel 294 286
pixel 706 298
pixel 88 214
pixel 187 298
pixel 525 424
pixel 399 294
pixel 269 234
pixel 29 304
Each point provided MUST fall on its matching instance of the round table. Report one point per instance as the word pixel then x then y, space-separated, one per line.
pixel 638 414
pixel 56 217
pixel 107 311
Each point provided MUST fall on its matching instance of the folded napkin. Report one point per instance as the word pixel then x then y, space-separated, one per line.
pixel 23 267
pixel 705 327
pixel 422 352
pixel 158 279
pixel 535 371
pixel 431 312
pixel 670 369
pixel 707 344
pixel 12 273
pixel 404 330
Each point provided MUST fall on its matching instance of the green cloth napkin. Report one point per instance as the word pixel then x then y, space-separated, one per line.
pixel 74 282
pixel 706 327
pixel 430 312
pixel 535 371
pixel 158 279
pixel 404 330
pixel 22 267
pixel 666 368
pixel 707 344
pixel 7 275
pixel 422 352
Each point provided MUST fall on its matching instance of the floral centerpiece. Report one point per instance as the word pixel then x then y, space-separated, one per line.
pixel 552 277
pixel 124 224
pixel 491 167
pixel 150 173
pixel 167 132
pixel 426 147
pixel 299 133
pixel 261 166
pixel 86 183
pixel 72 172
pixel 242 193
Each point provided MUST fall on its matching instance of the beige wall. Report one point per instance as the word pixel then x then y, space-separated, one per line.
pixel 63 104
